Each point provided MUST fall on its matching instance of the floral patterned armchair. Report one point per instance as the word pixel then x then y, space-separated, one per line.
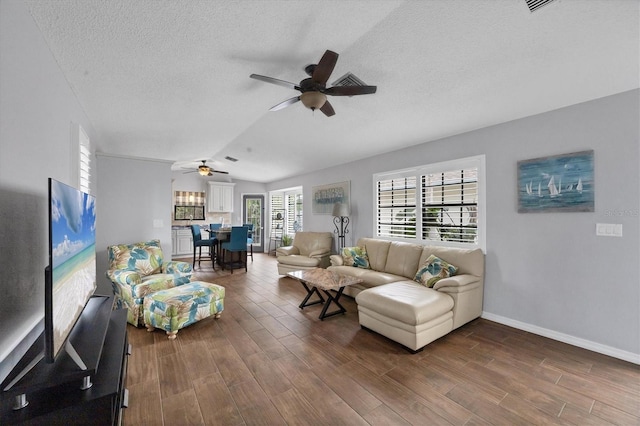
pixel 136 270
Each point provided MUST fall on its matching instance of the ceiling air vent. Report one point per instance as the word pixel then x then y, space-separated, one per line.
pixel 348 80
pixel 537 4
pixel 231 159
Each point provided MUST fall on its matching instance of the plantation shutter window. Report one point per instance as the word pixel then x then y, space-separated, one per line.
pixel 83 152
pixel 440 203
pixel 450 205
pixel 396 207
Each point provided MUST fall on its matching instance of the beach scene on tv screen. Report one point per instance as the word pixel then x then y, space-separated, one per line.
pixel 73 221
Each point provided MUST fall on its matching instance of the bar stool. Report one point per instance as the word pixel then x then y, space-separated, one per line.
pixel 249 227
pixel 198 243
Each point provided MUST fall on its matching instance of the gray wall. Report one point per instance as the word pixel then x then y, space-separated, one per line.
pixel 133 204
pixel 548 272
pixel 37 109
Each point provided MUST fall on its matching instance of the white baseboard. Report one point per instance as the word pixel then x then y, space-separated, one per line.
pixel 565 338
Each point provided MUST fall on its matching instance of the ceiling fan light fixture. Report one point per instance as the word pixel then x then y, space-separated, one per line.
pixel 204 170
pixel 313 100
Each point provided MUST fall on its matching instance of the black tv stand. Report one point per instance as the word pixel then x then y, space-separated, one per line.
pixel 64 393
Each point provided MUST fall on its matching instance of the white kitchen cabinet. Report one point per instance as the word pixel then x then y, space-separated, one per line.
pixel 174 242
pixel 184 241
pixel 220 197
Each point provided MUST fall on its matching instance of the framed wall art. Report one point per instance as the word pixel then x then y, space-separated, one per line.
pixel 559 183
pixel 325 196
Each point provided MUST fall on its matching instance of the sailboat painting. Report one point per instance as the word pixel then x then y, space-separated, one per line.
pixel 564 183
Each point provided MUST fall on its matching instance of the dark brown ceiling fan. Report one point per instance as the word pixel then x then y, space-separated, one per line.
pixel 313 89
pixel 205 170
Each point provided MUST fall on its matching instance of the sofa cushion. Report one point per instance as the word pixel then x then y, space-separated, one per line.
pixel 403 259
pixel 369 276
pixel 355 256
pixel 380 278
pixel 468 261
pixel 299 260
pixel 309 243
pixel 433 270
pixel 377 251
pixel 406 301
pixel 144 257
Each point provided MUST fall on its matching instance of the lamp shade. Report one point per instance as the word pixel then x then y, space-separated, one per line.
pixel 313 100
pixel 341 209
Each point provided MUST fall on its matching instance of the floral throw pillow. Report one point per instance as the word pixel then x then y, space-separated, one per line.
pixel 433 270
pixel 355 256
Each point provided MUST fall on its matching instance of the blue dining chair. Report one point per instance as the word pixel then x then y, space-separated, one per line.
pixel 198 243
pixel 249 227
pixel 237 244
pixel 213 236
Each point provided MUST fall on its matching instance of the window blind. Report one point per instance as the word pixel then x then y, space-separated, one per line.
pixel 84 161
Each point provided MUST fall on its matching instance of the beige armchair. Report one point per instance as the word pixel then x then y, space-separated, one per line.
pixel 309 250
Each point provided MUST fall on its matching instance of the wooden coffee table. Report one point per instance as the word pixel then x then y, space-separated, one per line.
pixel 317 279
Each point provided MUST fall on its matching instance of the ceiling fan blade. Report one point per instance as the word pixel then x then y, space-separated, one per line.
pixel 211 172
pixel 285 104
pixel 350 90
pixel 327 109
pixel 325 67
pixel 275 81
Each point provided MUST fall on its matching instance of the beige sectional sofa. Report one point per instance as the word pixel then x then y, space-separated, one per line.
pixel 391 303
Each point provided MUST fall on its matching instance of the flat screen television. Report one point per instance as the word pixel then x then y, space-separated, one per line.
pixel 70 278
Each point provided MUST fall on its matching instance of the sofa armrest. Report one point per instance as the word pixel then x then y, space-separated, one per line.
pixel 336 260
pixel 457 283
pixel 287 251
pixel 139 291
pixel 124 277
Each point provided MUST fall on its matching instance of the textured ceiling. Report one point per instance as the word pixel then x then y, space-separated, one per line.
pixel 170 79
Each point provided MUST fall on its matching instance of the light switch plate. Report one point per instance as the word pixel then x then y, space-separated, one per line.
pixel 617 230
pixel 609 229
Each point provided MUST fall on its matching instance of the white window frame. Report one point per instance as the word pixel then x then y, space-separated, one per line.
pixel 417 172
pixel 82 159
pixel 289 208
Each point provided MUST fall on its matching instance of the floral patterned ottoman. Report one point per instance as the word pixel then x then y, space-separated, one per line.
pixel 178 307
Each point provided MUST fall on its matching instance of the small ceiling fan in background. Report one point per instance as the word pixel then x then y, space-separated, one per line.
pixel 205 170
pixel 313 89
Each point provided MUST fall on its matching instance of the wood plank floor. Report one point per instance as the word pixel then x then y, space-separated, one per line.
pixel 267 362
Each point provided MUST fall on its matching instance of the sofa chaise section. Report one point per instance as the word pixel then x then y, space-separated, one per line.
pixel 393 304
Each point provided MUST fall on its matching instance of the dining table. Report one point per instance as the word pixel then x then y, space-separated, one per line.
pixel 221 235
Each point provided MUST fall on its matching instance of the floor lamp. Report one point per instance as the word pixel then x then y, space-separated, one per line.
pixel 341 221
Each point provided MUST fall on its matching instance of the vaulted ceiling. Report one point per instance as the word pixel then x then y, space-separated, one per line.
pixel 169 79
